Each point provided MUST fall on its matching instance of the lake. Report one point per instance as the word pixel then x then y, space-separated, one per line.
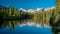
pixel 23 27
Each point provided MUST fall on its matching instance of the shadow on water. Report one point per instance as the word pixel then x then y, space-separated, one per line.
pixel 1 21
pixel 55 26
pixel 9 23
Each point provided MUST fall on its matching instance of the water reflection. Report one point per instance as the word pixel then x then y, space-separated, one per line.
pixel 13 24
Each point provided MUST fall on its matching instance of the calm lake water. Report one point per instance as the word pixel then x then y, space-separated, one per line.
pixel 23 27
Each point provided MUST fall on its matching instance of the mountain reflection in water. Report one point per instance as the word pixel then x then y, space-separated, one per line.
pixel 23 27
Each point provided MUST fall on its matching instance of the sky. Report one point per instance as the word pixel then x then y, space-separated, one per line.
pixel 28 4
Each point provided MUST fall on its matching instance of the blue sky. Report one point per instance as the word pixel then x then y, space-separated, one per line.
pixel 28 4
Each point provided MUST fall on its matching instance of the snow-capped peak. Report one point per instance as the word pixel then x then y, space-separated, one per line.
pixel 22 9
pixel 38 9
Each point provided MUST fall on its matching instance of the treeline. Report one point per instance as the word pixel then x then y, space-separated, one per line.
pixel 12 13
pixel 49 17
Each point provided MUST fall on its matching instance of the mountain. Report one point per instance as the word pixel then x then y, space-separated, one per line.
pixel 21 9
pixel 1 6
pixel 4 6
pixel 38 9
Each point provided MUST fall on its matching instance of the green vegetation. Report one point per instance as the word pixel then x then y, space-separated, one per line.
pixel 47 17
pixel 44 17
pixel 51 17
pixel 12 13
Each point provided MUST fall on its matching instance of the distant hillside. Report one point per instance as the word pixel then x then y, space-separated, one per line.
pixel 1 6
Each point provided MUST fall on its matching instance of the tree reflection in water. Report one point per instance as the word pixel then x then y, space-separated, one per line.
pixel 13 23
pixel 10 23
